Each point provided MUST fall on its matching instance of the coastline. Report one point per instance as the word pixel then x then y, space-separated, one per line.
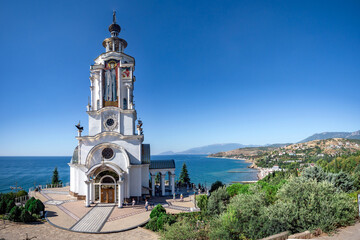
pixel 262 172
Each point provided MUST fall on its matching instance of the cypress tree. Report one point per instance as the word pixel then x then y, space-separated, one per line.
pixel 55 177
pixel 184 175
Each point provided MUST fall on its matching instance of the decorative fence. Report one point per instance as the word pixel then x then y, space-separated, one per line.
pixel 47 186
pixel 21 200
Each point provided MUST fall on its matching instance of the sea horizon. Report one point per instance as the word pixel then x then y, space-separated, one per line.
pixel 30 171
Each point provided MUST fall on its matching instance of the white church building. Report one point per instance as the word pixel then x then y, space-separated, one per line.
pixel 111 164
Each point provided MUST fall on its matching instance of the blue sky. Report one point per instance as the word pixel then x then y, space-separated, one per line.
pixel 250 72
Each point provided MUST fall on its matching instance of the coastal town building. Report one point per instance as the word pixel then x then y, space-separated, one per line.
pixel 112 164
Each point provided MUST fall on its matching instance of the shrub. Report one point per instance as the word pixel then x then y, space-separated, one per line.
pixel 3 206
pixel 165 219
pixel 356 179
pixel 318 205
pixel 10 204
pixel 218 201
pixel 243 216
pixel 157 211
pixel 270 190
pixel 25 216
pixel 315 172
pixel 237 188
pixel 183 230
pixel 341 181
pixel 215 186
pixel 152 224
pixel 36 207
pixel 202 201
pixel 301 204
pixel 14 214
pixel 21 193
pixel 29 202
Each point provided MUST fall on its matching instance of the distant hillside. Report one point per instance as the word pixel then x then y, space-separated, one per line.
pixel 167 153
pixel 298 153
pixel 209 149
pixel 327 135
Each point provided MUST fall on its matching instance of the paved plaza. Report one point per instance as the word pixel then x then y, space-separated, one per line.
pixel 68 213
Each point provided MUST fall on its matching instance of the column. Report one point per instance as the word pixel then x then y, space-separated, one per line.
pixel 128 97
pixel 169 175
pixel 119 87
pixel 91 192
pixel 99 193
pixel 120 195
pixel 87 199
pixel 101 88
pixel 153 185
pixel 172 180
pixel 162 184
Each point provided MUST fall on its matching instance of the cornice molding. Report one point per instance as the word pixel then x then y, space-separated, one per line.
pixel 113 134
pixel 104 109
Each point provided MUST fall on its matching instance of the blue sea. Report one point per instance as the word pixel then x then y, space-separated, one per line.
pixel 29 171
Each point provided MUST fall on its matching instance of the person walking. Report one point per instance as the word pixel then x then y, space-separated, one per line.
pixel 133 202
pixel 146 204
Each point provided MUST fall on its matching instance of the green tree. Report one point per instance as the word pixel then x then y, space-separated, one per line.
pixel 55 178
pixel 157 178
pixel 202 201
pixel 218 201
pixel 216 185
pixel 184 175
pixel 157 211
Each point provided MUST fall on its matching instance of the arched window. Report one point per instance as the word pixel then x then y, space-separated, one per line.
pixel 125 104
pixel 107 180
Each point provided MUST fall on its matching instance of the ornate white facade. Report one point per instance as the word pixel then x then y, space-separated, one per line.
pixel 111 164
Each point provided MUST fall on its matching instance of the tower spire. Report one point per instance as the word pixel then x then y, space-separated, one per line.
pixel 114 17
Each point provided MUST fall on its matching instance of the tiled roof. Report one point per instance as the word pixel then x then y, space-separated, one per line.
pixel 75 157
pixel 162 164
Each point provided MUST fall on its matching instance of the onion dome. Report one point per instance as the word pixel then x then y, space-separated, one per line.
pixel 114 28
pixel 114 43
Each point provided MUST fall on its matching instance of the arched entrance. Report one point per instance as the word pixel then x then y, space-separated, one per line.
pixel 106 184
pixel 105 187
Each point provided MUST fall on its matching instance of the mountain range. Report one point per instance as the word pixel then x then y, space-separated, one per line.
pixel 209 149
pixel 215 148
pixel 327 135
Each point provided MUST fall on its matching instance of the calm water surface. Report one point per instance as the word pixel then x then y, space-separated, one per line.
pixel 27 171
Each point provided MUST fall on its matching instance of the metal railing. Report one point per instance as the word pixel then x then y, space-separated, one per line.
pixel 22 199
pixel 48 186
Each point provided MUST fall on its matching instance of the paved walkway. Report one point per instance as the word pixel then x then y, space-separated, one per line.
pixel 347 233
pixel 45 232
pixel 71 214
pixel 95 219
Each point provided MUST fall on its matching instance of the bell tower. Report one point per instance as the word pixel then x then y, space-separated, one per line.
pixel 111 85
pixel 111 163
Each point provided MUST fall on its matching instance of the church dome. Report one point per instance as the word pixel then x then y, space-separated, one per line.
pixel 114 28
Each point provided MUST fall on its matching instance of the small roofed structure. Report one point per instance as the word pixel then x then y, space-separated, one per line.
pixel 163 167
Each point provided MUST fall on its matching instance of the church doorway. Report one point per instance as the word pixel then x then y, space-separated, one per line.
pixel 107 187
pixel 107 195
